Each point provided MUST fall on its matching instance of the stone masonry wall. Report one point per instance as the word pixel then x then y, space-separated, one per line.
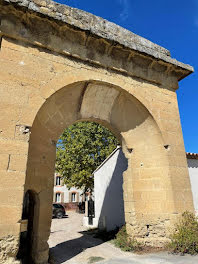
pixel 54 73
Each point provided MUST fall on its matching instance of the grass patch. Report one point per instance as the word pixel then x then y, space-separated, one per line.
pixel 184 239
pixel 126 243
pixel 118 238
pixel 95 259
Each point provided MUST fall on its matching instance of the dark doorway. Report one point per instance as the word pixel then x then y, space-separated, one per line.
pixel 26 237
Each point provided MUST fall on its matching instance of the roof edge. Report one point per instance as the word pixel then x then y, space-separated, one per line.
pixel 112 153
pixel 98 26
pixel 191 155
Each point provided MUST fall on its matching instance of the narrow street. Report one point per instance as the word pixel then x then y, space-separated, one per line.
pixel 70 244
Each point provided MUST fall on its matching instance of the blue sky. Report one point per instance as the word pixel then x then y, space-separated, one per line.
pixel 172 24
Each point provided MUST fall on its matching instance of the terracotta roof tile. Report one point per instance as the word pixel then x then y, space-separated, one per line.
pixel 190 155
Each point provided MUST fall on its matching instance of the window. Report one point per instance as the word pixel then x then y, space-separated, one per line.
pixel 73 197
pixel 58 198
pixel 58 180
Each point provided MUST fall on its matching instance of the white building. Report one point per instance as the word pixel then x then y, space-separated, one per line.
pixel 108 191
pixel 108 180
pixel 192 159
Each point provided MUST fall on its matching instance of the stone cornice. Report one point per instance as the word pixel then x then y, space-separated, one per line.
pixel 77 33
pixel 94 24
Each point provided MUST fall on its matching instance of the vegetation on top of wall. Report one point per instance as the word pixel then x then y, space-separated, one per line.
pixel 184 239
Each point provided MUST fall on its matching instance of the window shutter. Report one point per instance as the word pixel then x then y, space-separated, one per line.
pixel 70 197
pixel 62 197
pixel 61 181
pixel 77 197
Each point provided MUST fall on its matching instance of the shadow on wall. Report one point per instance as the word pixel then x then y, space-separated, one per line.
pixel 112 210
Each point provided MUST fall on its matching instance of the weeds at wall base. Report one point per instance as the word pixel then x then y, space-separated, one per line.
pixel 184 239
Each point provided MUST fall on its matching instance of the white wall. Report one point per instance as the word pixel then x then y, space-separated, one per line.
pixel 109 205
pixel 193 172
pixel 108 181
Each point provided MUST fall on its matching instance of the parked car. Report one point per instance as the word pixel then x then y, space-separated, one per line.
pixel 58 211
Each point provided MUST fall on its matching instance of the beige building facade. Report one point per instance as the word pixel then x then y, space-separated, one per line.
pixel 58 66
pixel 69 198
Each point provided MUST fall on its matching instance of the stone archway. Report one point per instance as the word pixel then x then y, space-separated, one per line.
pixel 148 195
pixel 61 65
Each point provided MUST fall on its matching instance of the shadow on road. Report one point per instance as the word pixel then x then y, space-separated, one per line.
pixel 69 249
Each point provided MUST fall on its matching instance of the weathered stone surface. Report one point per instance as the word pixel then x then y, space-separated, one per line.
pixel 17 163
pixel 94 24
pixel 8 250
pixel 4 161
pixel 64 66
pixel 99 27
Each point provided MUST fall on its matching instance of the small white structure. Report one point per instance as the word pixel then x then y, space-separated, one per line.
pixel 192 159
pixel 108 192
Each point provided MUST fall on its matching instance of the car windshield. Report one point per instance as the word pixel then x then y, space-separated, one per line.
pixel 57 206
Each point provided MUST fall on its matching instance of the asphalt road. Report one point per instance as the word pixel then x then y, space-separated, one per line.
pixel 70 244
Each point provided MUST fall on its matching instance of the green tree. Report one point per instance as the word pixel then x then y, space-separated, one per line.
pixel 80 150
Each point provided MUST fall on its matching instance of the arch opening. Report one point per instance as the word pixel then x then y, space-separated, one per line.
pixel 91 164
pixel 139 136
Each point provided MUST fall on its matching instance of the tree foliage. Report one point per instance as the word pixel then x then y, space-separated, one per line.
pixel 81 149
